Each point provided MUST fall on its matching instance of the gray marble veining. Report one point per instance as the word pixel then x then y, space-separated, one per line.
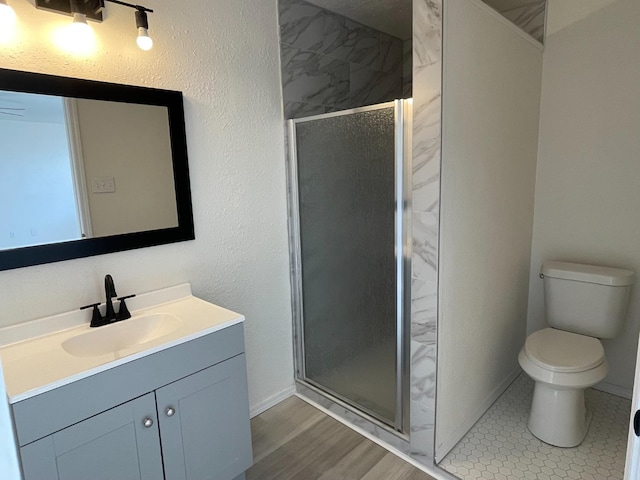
pixel 427 31
pixel 422 434
pixel 309 77
pixel 351 41
pixel 302 25
pixel 424 311
pixel 369 87
pixel 407 68
pixel 301 110
pixel 391 54
pixel 427 87
pixel 423 373
pixel 530 17
pixel 334 63
pixel 427 130
pixel 425 246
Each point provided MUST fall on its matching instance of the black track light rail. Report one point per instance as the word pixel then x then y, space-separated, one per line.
pixel 91 8
pixel 130 5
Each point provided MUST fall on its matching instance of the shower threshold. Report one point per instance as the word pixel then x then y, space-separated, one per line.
pixel 358 410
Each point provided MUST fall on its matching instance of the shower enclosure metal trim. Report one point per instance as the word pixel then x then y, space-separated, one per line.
pixel 402 186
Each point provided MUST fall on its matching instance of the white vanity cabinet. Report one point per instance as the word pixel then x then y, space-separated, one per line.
pixel 178 414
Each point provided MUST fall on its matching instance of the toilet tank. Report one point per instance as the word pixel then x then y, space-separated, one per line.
pixel 586 299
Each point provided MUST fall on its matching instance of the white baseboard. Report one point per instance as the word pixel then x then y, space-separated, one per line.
pixel 376 440
pixel 445 447
pixel 615 390
pixel 272 401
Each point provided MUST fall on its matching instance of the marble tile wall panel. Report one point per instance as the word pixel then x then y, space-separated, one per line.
pixel 422 433
pixel 425 247
pixel 313 78
pixel 424 311
pixel 391 54
pixel 301 24
pixel 407 68
pixel 427 32
pixel 530 18
pixel 427 122
pixel 301 110
pixel 351 41
pixel 332 63
pixel 368 87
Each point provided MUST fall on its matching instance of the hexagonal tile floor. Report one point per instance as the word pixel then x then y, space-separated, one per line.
pixel 501 447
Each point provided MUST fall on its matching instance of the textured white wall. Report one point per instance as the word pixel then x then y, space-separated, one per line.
pixel 587 193
pixel 491 104
pixel 224 57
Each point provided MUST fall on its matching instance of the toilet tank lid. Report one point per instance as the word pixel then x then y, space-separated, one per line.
pixel 616 277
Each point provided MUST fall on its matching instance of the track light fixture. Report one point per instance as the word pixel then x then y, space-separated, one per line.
pixel 144 41
pixel 81 10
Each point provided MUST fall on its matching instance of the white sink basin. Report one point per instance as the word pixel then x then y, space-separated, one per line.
pixel 124 334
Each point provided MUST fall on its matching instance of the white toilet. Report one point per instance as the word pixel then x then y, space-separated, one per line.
pixel 582 303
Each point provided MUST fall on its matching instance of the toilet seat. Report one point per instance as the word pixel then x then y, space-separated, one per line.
pixel 563 359
pixel 564 352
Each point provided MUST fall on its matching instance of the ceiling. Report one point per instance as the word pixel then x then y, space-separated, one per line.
pixel 390 16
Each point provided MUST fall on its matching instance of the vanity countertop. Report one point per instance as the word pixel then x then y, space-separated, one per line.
pixel 35 362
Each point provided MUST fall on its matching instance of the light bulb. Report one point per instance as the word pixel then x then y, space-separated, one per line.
pixel 7 21
pixel 144 41
pixel 7 15
pixel 79 30
pixel 77 38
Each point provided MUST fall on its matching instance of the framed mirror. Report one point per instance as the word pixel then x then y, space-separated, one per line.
pixel 88 168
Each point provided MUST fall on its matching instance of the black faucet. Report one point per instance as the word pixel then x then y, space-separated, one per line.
pixel 110 315
pixel 110 292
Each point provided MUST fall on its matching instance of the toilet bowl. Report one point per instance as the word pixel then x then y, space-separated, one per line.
pixel 563 365
pixel 582 303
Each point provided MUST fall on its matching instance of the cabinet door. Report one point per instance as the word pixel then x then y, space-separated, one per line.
pixel 114 445
pixel 204 424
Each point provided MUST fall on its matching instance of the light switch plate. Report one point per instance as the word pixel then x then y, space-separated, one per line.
pixel 103 185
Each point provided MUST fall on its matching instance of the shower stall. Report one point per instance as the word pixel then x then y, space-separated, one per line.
pixel 349 196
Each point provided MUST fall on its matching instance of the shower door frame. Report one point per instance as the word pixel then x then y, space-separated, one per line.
pixel 403 110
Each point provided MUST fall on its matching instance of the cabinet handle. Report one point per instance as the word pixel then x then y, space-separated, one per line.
pixel 147 422
pixel 170 411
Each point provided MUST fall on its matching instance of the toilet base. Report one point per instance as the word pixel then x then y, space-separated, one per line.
pixel 559 416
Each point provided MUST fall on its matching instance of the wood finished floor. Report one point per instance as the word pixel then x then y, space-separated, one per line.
pixel 295 441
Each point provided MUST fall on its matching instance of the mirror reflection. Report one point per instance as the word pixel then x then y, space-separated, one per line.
pixel 78 168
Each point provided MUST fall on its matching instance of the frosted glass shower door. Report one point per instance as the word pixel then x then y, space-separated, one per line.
pixel 346 185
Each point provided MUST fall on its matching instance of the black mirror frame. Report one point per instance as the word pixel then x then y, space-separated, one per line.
pixel 17 81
